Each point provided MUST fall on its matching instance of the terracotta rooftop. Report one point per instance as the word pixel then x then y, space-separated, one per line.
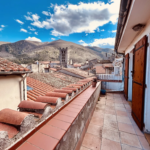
pixel 34 111
pixel 77 65
pixel 8 67
pixel 108 65
pixel 50 133
pixel 99 70
pixel 53 69
pixel 39 88
pixel 79 72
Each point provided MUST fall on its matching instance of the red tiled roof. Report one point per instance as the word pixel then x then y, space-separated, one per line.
pixel 7 67
pixel 108 65
pixel 50 134
pixel 53 69
pixel 39 88
pixel 77 65
pixel 100 70
pixel 12 131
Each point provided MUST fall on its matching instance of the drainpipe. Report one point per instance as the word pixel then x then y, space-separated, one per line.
pixel 22 80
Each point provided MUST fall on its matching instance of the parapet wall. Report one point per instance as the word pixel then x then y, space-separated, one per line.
pixel 73 137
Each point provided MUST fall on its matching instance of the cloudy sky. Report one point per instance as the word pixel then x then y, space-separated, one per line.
pixel 86 22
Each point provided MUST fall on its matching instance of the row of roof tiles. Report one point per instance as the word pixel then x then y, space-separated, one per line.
pixel 41 103
pixel 8 66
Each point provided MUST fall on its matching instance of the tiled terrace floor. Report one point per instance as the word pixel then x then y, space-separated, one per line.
pixel 112 127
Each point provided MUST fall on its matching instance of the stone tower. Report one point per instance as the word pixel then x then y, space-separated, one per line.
pixel 64 57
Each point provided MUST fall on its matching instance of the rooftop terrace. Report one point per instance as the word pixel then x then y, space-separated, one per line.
pixel 113 128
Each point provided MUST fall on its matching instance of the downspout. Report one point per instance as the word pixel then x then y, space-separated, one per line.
pixel 23 78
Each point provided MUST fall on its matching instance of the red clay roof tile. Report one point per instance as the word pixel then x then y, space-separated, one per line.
pixel 32 105
pixel 47 99
pixel 56 94
pixel 12 131
pixel 11 116
pixel 7 66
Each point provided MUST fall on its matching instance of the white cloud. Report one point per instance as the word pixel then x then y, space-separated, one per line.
pixel 82 17
pixel 2 26
pixel 33 39
pixel 20 22
pixel 114 31
pixel 1 29
pixel 23 30
pixel 28 18
pixel 86 35
pixel 53 39
pixel 32 29
pixel 107 42
pixel 46 13
pixel 81 41
pixel 36 33
pixel 102 30
pixel 104 43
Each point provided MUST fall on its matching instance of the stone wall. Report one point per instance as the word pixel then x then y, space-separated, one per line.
pixel 73 138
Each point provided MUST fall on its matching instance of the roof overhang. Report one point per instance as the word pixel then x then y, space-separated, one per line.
pixel 138 13
pixel 15 73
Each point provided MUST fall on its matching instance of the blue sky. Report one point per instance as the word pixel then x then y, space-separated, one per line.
pixel 86 22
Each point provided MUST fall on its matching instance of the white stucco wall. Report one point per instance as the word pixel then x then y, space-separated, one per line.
pixel 143 32
pixel 10 91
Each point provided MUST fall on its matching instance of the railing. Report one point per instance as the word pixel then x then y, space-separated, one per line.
pixel 109 77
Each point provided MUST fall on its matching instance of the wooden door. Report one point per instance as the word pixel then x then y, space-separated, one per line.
pixel 126 76
pixel 138 83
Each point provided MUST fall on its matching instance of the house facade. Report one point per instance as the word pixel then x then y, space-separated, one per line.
pixel 13 88
pixel 132 41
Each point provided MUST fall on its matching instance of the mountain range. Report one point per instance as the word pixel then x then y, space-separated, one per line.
pixel 29 51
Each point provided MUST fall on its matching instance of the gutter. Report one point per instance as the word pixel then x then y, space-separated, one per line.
pixel 123 15
pixel 22 80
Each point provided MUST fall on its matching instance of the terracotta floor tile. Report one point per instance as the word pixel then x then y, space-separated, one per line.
pixel 126 127
pixel 110 124
pixel 110 103
pixel 121 113
pixel 75 106
pixel 95 130
pixel 127 147
pixel 120 108
pixel 110 145
pixel 78 103
pixel 68 113
pixel 119 105
pixel 27 146
pixel 60 124
pixel 130 139
pixel 98 114
pixel 43 141
pixel 97 121
pixel 110 117
pixel 124 119
pixel 147 137
pixel 111 112
pixel 111 135
pixel 69 108
pixel 137 130
pixel 52 131
pixel 109 107
pixel 84 148
pixel 144 143
pixel 64 118
pixel 92 142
